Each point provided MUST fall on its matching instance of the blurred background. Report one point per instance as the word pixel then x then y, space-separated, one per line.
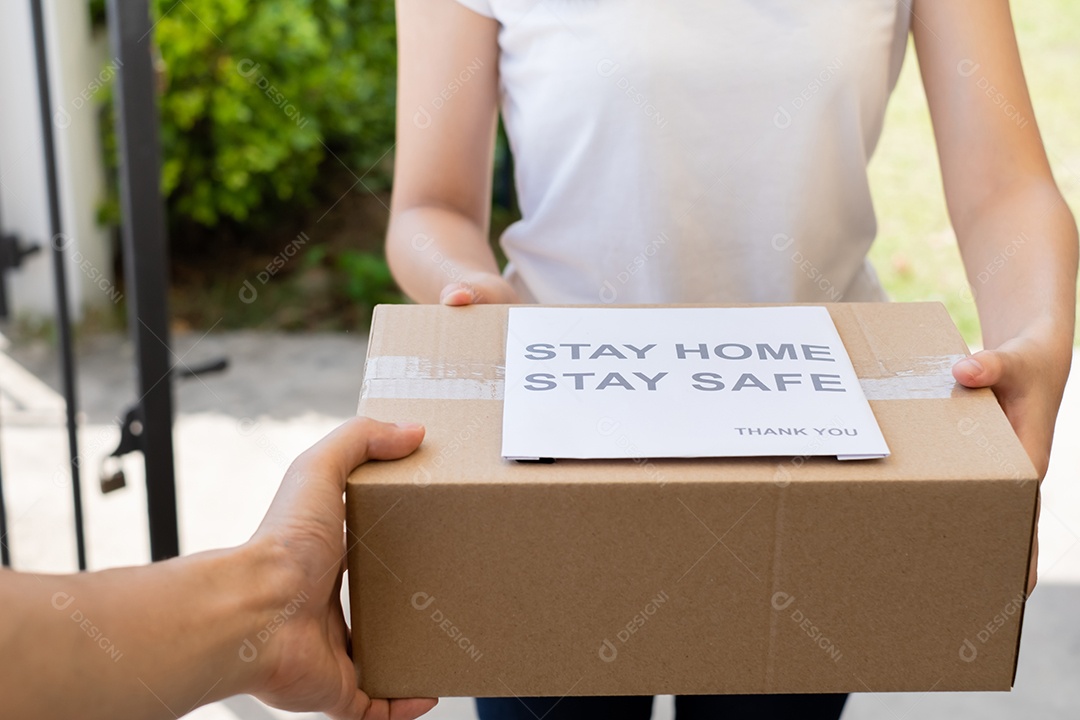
pixel 277 149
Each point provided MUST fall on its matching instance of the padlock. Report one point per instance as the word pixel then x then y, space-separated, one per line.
pixel 111 479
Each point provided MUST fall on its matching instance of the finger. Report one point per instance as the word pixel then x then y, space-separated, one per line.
pixel 401 709
pixel 316 479
pixel 357 708
pixel 1033 568
pixel 1033 571
pixel 985 369
pixel 410 708
pixel 357 441
pixel 458 294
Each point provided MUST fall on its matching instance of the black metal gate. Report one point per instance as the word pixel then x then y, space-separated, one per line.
pixel 148 424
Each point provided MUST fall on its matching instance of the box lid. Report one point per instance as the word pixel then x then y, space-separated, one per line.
pixel 444 367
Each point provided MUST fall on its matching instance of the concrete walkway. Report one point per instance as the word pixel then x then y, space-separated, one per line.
pixel 236 432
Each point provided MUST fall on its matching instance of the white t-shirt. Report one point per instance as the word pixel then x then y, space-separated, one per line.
pixel 694 150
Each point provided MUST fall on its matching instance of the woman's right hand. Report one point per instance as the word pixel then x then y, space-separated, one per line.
pixel 479 289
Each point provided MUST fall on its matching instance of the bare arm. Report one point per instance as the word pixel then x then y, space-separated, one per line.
pixel 158 641
pixel 1016 234
pixel 437 241
pixel 107 644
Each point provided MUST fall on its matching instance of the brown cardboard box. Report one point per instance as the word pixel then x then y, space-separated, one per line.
pixel 472 575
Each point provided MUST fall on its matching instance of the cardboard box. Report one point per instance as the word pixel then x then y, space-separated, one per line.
pixel 471 575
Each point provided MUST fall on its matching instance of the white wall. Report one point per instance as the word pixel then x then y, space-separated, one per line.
pixel 78 62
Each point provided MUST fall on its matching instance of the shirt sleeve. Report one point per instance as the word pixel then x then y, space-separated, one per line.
pixel 483 7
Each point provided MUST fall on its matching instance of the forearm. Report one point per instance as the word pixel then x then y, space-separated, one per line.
pixel 143 642
pixel 430 247
pixel 1020 252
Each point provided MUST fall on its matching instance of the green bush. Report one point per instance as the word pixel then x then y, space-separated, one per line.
pixel 258 96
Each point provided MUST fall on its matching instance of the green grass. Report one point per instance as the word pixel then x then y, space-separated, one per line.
pixel 915 253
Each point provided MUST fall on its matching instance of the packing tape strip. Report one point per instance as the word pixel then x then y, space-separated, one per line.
pixel 413 378
pixel 432 389
pixel 925 378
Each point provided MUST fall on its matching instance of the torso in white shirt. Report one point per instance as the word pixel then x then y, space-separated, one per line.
pixel 694 150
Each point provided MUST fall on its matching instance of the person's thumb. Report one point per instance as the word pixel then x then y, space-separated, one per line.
pixel 332 459
pixel 460 293
pixel 985 368
pixel 359 440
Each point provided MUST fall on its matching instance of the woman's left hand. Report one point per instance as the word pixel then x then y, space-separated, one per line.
pixel 1028 377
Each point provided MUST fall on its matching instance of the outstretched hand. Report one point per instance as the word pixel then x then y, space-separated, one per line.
pixel 305 664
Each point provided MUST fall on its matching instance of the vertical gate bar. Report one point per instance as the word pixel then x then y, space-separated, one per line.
pixel 5 550
pixel 146 274
pixel 63 320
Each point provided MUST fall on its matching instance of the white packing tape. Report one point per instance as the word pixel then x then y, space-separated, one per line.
pixel 413 378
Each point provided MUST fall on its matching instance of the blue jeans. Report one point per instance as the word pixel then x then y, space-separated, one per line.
pixel 687 707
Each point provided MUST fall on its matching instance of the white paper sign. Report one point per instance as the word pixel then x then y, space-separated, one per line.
pixel 682 382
